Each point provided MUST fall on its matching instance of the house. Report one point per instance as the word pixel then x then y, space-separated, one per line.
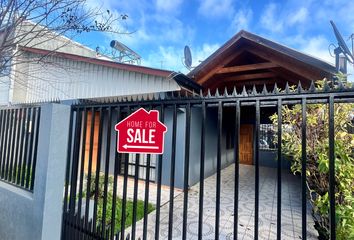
pixel 53 68
pixel 247 61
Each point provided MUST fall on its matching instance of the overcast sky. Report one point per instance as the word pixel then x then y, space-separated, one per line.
pixel 162 28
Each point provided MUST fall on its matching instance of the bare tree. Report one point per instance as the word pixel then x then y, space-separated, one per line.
pixel 49 23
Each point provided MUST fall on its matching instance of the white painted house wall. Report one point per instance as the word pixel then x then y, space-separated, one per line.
pixel 66 79
pixel 4 89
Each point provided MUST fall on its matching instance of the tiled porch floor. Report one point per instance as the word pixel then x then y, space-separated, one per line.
pixel 291 208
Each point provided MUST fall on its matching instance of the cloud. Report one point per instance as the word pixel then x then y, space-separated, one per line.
pixel 299 16
pixel 171 57
pixel 216 8
pixel 270 19
pixel 168 6
pixel 241 20
pixel 317 47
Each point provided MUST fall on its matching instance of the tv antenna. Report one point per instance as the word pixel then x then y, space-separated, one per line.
pixel 341 63
pixel 187 57
pixel 126 55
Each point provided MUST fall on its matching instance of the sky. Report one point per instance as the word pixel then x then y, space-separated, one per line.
pixel 159 29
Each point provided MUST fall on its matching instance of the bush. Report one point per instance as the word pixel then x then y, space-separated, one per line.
pixel 119 202
pixel 317 172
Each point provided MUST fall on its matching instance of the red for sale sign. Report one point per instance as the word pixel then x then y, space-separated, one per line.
pixel 141 132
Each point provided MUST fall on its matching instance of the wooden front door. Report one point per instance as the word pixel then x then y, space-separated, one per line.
pixel 246 144
pixel 95 141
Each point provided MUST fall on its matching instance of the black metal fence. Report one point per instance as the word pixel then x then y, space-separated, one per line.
pixel 19 128
pixel 93 207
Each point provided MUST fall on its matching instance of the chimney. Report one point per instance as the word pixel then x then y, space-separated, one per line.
pixel 342 64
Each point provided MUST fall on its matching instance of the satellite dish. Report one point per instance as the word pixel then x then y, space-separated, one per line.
pixel 187 57
pixel 342 46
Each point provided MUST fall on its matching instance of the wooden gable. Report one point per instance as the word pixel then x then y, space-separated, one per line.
pixel 248 59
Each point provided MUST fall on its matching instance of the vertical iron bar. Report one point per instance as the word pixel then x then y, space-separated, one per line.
pixel 35 148
pixel 74 167
pixel 201 180
pixel 159 179
pixel 89 168
pixel 135 197
pixel 303 168
pixel 6 140
pixel 3 141
pixel 30 154
pixel 125 186
pixel 256 217
pixel 172 173
pixel 17 149
pixel 14 140
pixel 237 167
pixel 98 169
pixel 9 144
pixel 82 164
pixel 23 137
pixel 332 210
pixel 67 174
pixel 106 173
pixel 146 198
pixel 279 169
pixel 186 171
pixel 218 173
pixel 115 182
pixel 124 201
pixel 25 154
pixel 30 149
pixel 2 132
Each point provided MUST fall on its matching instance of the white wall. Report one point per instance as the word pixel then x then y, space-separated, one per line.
pixel 64 79
pixel 37 215
pixel 4 90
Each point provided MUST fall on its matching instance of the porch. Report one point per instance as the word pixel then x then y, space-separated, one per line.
pixel 291 207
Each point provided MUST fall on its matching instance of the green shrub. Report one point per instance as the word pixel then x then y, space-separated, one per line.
pixel 119 203
pixel 317 172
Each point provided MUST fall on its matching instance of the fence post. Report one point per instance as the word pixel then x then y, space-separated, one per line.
pixel 50 170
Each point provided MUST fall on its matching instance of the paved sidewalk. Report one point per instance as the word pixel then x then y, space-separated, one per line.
pixel 291 208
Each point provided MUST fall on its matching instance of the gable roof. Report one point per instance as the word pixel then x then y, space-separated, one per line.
pixel 247 41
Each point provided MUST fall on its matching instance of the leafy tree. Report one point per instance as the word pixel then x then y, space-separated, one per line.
pixel 317 171
pixel 32 23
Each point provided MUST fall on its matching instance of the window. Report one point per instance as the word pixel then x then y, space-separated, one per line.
pixel 267 137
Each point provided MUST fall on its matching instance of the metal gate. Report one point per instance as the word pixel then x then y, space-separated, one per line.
pixel 101 198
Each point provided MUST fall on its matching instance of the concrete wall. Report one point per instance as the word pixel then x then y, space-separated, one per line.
pixel 37 215
pixel 210 145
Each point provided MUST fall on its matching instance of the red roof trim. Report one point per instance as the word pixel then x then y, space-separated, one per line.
pixel 122 66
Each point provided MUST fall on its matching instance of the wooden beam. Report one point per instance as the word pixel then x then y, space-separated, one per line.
pixel 245 77
pixel 290 77
pixel 291 65
pixel 248 67
pixel 218 66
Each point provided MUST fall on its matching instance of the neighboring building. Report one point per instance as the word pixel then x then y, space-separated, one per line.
pixel 55 68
